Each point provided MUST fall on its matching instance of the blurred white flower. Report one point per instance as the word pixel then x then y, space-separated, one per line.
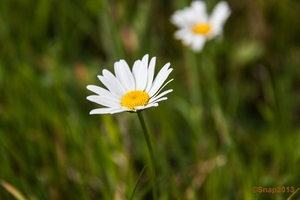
pixel 196 26
pixel 130 90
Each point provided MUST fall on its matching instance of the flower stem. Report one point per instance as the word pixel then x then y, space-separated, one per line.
pixel 193 79
pixel 152 159
pixel 209 71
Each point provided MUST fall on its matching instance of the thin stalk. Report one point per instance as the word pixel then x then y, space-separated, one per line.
pixel 195 110
pixel 137 182
pixel 152 159
pixel 208 69
pixel 193 79
pixel 291 196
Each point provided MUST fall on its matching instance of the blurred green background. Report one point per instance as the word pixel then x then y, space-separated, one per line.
pixel 241 129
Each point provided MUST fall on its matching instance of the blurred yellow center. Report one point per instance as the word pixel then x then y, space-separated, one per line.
pixel 135 98
pixel 201 28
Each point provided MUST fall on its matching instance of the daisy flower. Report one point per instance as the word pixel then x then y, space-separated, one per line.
pixel 196 26
pixel 130 90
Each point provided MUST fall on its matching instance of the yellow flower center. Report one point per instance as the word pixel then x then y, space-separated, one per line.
pixel 135 98
pixel 201 28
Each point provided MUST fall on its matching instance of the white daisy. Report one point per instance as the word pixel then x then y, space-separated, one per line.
pixel 130 90
pixel 195 26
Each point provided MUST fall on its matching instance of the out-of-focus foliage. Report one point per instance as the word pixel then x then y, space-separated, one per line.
pixel 239 128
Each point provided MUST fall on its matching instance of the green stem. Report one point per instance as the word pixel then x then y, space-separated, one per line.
pixel 290 197
pixel 195 110
pixel 150 149
pixel 137 182
pixel 208 69
pixel 193 79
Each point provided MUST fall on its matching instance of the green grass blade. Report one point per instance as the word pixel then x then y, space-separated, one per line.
pixel 137 182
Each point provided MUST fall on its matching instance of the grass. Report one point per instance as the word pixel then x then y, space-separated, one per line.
pixel 231 123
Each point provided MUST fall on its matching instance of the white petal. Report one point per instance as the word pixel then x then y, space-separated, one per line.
pixel 160 79
pixel 139 108
pixel 188 38
pixel 198 9
pixel 113 85
pixel 151 70
pixel 105 111
pixel 99 90
pixel 198 43
pixel 140 74
pixel 147 106
pixel 118 110
pixel 161 99
pixel 182 18
pixel 189 17
pixel 159 96
pixel 178 19
pixel 151 105
pixel 181 33
pixel 126 109
pixel 157 93
pixel 105 101
pixel 125 76
pixel 100 111
pixel 145 59
pixel 199 5
pixel 219 15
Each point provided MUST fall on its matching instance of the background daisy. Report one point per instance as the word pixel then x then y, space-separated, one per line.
pixel 196 26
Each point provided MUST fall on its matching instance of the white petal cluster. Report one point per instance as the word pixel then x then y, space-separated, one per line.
pixel 187 18
pixel 141 78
